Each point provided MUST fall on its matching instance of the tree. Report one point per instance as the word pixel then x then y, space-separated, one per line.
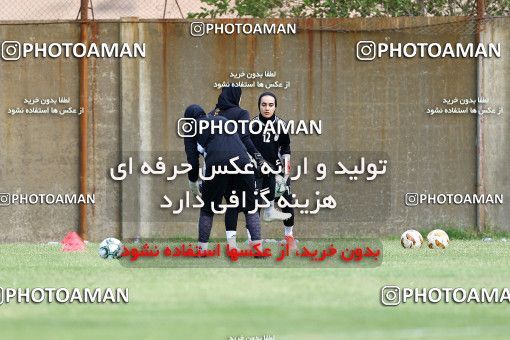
pixel 345 9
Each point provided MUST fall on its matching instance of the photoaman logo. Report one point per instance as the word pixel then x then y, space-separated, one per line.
pixel 369 50
pixel 14 50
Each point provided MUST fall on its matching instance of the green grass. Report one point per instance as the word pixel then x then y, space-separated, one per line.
pixel 296 303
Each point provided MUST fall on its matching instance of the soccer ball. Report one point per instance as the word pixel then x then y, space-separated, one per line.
pixel 411 239
pixel 110 248
pixel 438 239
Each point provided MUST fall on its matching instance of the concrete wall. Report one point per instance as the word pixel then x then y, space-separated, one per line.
pixel 367 108
pixel 496 158
pixel 39 153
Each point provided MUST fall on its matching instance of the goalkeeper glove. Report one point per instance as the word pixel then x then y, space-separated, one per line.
pixel 195 187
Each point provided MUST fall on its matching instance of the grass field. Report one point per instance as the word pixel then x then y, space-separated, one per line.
pixel 296 303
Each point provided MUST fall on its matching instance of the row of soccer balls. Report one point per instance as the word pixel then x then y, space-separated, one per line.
pixel 111 248
pixel 436 239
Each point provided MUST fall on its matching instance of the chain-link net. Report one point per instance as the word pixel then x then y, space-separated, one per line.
pixel 68 10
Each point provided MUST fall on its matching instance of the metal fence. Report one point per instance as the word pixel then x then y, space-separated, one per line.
pixel 69 10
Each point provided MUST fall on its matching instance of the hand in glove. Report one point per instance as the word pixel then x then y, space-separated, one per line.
pixel 260 163
pixel 195 187
pixel 259 159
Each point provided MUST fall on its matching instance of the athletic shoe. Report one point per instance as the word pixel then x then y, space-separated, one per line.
pixel 272 214
pixel 232 244
pixel 291 242
pixel 254 243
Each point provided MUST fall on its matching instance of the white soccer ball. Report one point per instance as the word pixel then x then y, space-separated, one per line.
pixel 411 239
pixel 438 239
pixel 110 248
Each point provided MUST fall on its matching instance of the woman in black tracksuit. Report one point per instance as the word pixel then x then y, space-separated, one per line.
pixel 218 150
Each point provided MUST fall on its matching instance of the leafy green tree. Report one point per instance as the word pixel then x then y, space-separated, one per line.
pixel 345 9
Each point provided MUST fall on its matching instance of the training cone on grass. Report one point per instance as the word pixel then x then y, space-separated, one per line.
pixel 72 242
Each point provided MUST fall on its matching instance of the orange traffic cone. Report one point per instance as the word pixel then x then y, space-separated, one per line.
pixel 73 242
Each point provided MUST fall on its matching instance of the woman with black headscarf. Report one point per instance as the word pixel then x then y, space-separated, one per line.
pixel 228 107
pixel 218 150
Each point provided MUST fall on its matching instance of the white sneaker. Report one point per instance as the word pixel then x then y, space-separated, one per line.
pixel 232 244
pixel 257 245
pixel 272 214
